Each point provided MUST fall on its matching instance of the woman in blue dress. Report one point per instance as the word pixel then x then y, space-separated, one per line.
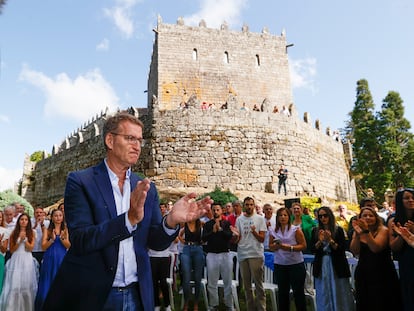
pixel 55 242
pixel 330 268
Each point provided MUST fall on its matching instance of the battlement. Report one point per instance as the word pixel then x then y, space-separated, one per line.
pixel 232 146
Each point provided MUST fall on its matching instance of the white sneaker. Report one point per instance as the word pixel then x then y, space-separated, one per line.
pixel 157 309
pixel 168 308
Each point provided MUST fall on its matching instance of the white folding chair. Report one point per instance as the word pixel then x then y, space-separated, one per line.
pixel 170 280
pixel 234 281
pixel 270 286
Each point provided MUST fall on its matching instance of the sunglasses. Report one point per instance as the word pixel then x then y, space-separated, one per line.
pixel 323 216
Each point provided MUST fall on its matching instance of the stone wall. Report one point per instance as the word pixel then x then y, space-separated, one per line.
pixel 242 150
pixel 213 64
pixel 232 149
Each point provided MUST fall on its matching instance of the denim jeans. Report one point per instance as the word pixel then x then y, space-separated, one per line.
pixel 124 300
pixel 192 264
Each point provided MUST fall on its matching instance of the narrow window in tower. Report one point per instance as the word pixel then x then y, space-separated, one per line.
pixel 257 60
pixel 195 55
pixel 226 57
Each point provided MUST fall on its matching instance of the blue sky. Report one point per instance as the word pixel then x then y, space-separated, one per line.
pixel 62 62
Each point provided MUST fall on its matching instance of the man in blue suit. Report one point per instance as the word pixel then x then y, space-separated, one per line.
pixel 113 217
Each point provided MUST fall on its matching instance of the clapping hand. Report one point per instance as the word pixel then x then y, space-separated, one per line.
pixel 137 201
pixel 188 209
pixel 405 233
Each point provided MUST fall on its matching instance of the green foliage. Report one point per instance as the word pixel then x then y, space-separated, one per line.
pixel 311 203
pixel 383 147
pixel 8 197
pixel 36 156
pixel 221 197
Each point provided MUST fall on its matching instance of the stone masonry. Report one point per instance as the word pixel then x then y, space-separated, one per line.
pixel 230 148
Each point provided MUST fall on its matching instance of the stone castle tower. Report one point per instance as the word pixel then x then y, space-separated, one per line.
pixel 215 64
pixel 234 149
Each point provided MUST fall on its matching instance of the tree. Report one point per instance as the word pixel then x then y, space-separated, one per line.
pixel 37 156
pixel 383 147
pixel 396 141
pixel 361 131
pixel 221 197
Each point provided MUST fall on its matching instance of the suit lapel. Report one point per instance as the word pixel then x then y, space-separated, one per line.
pixel 104 184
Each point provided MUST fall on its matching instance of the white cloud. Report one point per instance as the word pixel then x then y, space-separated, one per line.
pixel 4 119
pixel 215 12
pixel 121 16
pixel 77 99
pixel 303 73
pixel 8 177
pixel 103 45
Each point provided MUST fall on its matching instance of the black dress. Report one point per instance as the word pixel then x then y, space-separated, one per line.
pixel 376 281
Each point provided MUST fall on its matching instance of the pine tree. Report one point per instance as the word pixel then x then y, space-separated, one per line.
pixel 396 142
pixel 383 146
pixel 361 131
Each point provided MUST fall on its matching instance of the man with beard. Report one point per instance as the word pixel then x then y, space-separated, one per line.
pixel 250 252
pixel 217 234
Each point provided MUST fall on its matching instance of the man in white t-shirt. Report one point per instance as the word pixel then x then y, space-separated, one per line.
pixel 250 252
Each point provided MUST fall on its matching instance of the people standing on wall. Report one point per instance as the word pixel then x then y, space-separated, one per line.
pixel 113 218
pixel 217 234
pixel 250 253
pixel 282 175
pixel 20 281
pixel 55 243
pixel 330 267
pixel 270 220
pixel 39 222
pixel 192 261
pixel 404 218
pixel 287 242
pixel 376 279
pixel 285 111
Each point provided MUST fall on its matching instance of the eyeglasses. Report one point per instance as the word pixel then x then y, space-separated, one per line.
pixel 131 139
pixel 323 216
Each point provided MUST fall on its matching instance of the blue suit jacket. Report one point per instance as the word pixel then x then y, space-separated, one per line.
pixel 87 272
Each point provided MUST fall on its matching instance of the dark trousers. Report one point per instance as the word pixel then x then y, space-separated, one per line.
pixel 291 276
pixel 160 267
pixel 282 182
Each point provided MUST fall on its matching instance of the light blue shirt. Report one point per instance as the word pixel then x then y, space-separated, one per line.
pixel 126 271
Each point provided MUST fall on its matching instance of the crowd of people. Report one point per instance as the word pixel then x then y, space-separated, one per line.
pixel 366 245
pixel 31 251
pixel 122 240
